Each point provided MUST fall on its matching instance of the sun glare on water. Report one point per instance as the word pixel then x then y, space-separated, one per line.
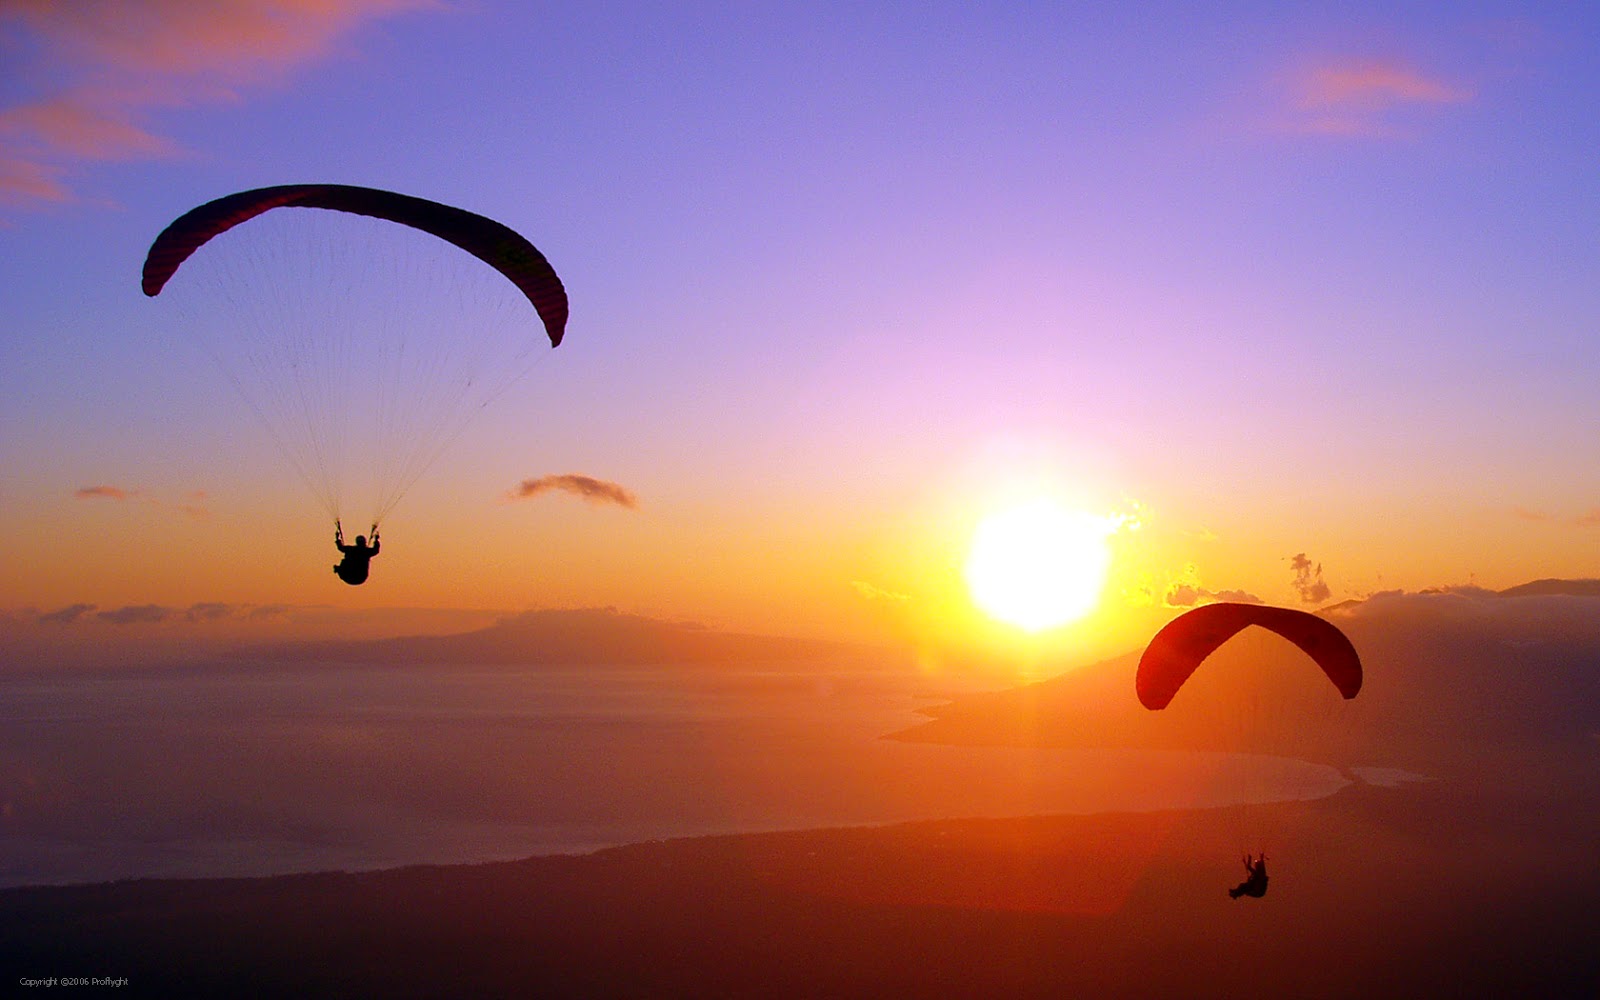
pixel 1038 564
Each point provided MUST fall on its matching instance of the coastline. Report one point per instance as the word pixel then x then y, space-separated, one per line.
pixel 1366 898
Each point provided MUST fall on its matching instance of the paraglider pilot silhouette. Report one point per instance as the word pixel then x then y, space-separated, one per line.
pixel 1255 883
pixel 352 569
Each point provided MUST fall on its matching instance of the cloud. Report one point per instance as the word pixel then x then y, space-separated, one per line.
pixel 100 68
pixel 1588 519
pixel 68 614
pixel 136 614
pixel 1308 579
pixel 1237 596
pixel 208 611
pixel 875 593
pixel 595 491
pixel 107 492
pixel 1376 84
pixel 1182 595
pixel 192 504
pixel 1184 591
pixel 1363 98
pixel 1185 595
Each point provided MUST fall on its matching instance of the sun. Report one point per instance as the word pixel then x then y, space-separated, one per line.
pixel 1038 564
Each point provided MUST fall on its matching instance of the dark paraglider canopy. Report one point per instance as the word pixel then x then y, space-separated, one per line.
pixel 1180 647
pixel 495 244
pixel 365 333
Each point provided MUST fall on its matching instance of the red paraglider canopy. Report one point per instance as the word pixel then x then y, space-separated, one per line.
pixel 1178 649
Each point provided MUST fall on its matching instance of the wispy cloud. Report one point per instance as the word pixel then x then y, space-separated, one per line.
pixel 192 504
pixel 595 491
pixel 1588 519
pixel 1308 582
pixel 107 65
pixel 1362 98
pixel 1375 84
pixel 103 492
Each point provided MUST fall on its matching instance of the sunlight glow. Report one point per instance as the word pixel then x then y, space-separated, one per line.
pixel 1038 565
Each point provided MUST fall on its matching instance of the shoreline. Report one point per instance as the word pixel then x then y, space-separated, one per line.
pixel 265 869
pixel 1366 899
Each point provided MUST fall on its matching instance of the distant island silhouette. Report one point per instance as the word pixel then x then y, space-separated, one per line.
pixel 568 637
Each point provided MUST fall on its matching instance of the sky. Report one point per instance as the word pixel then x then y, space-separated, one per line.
pixel 1302 299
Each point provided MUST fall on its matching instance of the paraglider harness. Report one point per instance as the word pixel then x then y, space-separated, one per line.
pixel 352 569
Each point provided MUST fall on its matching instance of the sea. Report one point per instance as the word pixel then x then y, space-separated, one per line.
pixel 320 767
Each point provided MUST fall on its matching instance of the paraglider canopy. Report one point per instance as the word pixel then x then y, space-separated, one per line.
pixel 1180 647
pixel 495 244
